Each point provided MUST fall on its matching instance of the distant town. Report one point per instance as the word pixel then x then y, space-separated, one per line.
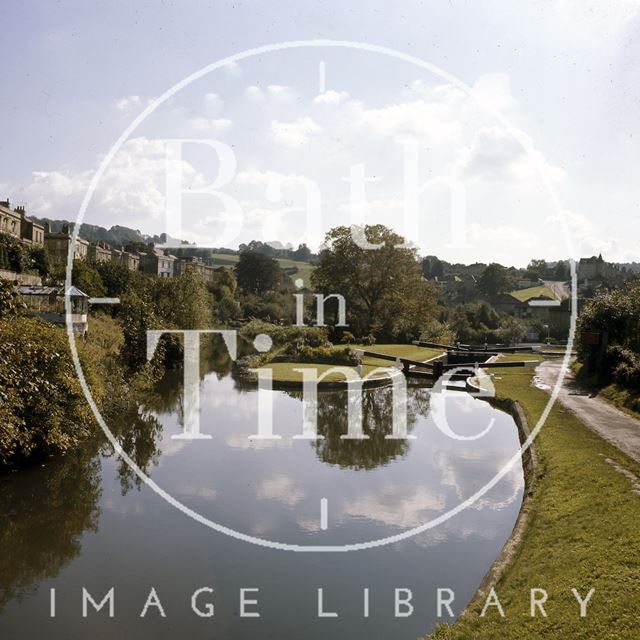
pixel 538 296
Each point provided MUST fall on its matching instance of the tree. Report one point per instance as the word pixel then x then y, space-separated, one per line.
pixel 86 277
pixel 538 267
pixel 302 253
pixel 614 316
pixel 184 302
pixel 495 279
pixel 511 330
pixel 117 278
pixel 561 270
pixel 258 273
pixel 14 255
pixel 39 260
pixel 432 267
pixel 224 282
pixel 383 288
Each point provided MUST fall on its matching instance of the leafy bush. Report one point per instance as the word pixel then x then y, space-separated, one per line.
pixel 436 331
pixel 347 337
pixel 43 411
pixel 227 309
pixel 615 316
pixel 324 355
pixel 623 366
pixel 9 300
pixel 18 257
pixel 282 335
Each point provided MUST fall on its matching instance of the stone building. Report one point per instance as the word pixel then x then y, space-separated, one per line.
pixel 57 244
pixel 158 264
pixel 16 223
pixel 198 265
pixel 99 252
pixel 129 259
pixel 594 268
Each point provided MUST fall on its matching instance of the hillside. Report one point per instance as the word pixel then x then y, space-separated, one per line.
pixel 116 236
pixel 302 269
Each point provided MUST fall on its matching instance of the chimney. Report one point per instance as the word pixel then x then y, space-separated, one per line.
pixel 5 203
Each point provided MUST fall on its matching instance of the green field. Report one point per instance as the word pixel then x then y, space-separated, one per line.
pixel 582 533
pixel 522 295
pixel 304 268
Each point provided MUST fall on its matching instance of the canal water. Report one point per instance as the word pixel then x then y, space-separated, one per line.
pixel 87 521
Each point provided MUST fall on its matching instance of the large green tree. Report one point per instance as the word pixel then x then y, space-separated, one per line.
pixel 383 288
pixel 496 279
pixel 258 273
pixel 86 277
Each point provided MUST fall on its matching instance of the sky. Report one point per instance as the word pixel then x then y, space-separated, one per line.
pixel 518 138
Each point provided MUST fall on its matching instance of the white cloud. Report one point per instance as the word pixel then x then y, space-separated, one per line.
pixel 278 90
pixel 232 69
pixel 585 238
pixel 131 191
pixel 331 97
pixel 282 489
pixel 213 104
pixel 131 103
pixel 254 92
pixel 210 124
pixel 395 506
pixel 494 91
pixel 467 471
pixel 496 154
pixel 503 243
pixel 274 92
pixel 427 122
pixel 294 133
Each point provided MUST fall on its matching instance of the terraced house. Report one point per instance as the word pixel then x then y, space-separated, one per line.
pixel 57 244
pixel 15 222
pixel 158 263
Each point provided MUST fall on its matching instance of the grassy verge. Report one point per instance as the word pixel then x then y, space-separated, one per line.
pixel 628 400
pixel 582 533
pixel 284 371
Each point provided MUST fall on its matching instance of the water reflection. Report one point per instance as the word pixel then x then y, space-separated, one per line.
pixel 375 488
pixel 45 513
pixel 139 434
pixel 47 510
pixel 377 414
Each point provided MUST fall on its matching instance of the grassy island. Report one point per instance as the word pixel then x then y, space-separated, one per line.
pixel 284 371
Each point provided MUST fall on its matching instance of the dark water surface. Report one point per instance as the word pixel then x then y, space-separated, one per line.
pixel 86 521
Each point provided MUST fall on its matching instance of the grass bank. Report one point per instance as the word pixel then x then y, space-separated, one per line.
pixel 625 399
pixel 582 533
pixel 284 371
pixel 628 400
